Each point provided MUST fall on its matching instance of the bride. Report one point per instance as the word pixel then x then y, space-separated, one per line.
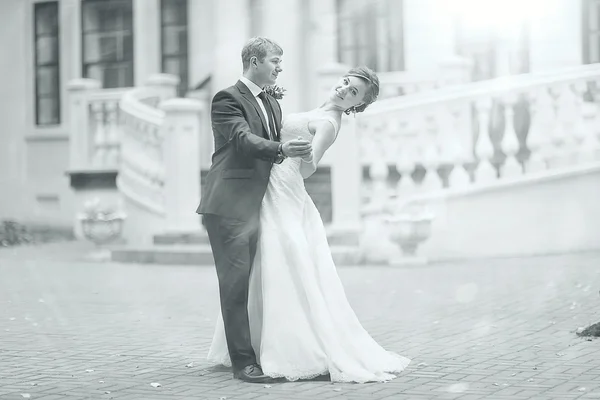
pixel 301 323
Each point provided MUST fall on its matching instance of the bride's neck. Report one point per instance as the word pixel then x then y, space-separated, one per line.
pixel 329 106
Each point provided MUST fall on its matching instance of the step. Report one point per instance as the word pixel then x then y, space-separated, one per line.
pixel 201 255
pixel 176 238
pixel 339 238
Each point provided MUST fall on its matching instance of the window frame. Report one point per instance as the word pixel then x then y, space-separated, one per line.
pixel 86 65
pixel 587 31
pixel 184 57
pixel 36 66
pixel 393 37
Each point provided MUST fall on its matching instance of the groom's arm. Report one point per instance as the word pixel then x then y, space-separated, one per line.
pixel 228 120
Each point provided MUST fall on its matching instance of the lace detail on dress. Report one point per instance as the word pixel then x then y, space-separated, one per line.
pixel 301 323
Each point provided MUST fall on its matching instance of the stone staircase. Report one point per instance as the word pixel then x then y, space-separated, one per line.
pixel 194 249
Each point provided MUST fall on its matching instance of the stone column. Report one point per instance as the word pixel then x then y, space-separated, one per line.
pixel 429 36
pixel 163 84
pixel 201 40
pixel 183 118
pixel 146 39
pixel 556 36
pixel 282 21
pixel 231 31
pixel 70 22
pixel 79 135
pixel 321 51
pixel 202 51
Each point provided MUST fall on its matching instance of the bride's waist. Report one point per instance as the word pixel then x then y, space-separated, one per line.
pixel 289 166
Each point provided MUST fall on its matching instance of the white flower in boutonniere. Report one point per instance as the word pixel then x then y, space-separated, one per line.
pixel 276 91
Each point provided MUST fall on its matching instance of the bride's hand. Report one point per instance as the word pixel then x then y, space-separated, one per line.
pixel 308 158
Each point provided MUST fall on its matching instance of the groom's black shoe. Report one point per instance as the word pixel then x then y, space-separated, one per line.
pixel 253 374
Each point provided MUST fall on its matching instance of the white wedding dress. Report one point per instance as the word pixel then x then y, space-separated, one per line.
pixel 301 323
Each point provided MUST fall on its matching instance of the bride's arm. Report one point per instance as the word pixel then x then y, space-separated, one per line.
pixel 324 137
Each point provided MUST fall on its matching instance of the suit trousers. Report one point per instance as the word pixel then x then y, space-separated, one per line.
pixel 234 245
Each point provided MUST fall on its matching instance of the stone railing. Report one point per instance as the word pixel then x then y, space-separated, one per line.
pixel 342 158
pixel 148 140
pixel 159 152
pixel 141 175
pixel 472 134
pixel 95 131
pixel 479 132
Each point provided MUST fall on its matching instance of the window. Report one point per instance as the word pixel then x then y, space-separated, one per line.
pixel 107 27
pixel 47 77
pixel 493 53
pixel 591 31
pixel 174 41
pixel 370 33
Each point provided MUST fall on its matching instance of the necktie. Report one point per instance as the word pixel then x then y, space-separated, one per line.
pixel 270 115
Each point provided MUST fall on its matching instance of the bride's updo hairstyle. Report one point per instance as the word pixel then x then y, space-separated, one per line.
pixel 372 81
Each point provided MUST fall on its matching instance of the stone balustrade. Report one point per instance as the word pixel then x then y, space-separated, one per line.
pixel 148 140
pixel 451 136
pixel 94 126
pixel 160 164
pixel 479 132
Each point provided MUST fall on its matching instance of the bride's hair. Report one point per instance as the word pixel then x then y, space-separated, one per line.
pixel 372 81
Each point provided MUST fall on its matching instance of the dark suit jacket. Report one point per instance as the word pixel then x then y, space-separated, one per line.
pixel 241 164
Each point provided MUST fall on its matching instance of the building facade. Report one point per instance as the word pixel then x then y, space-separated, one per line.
pixel 122 43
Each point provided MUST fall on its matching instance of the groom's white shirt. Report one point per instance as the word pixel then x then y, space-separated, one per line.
pixel 256 90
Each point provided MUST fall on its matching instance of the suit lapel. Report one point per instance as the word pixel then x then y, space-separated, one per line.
pixel 248 96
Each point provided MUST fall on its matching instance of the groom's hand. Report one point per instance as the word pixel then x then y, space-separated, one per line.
pixel 296 148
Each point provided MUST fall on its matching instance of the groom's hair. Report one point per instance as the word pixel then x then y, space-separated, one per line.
pixel 258 47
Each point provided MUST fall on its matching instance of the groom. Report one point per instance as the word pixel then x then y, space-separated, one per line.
pixel 246 124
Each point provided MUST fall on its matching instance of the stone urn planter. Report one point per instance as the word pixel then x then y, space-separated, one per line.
pixel 101 225
pixel 408 229
pixel 102 229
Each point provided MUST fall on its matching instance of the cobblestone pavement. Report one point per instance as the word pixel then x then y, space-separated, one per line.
pixel 501 329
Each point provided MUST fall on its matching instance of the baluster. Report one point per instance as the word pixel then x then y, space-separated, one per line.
pixel 112 134
pixel 560 140
pixel 574 121
pixel 158 154
pixel 484 149
pixel 583 149
pixel 366 155
pixel 590 146
pixel 431 154
pixel 405 165
pixel 457 154
pixel 510 142
pixel 432 180
pixel 125 142
pixel 378 172
pixel 538 139
pixel 99 133
pixel 156 142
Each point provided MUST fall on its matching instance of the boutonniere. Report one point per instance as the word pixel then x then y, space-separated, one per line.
pixel 275 91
